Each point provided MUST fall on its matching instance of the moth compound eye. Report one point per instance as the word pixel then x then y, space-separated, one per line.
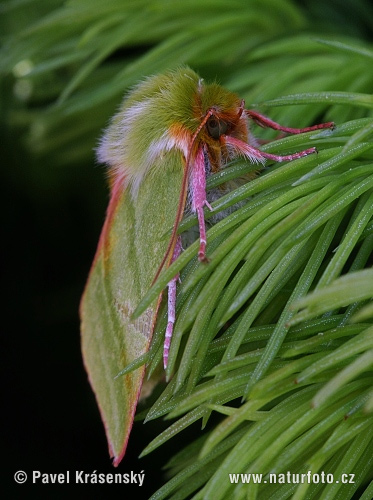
pixel 216 127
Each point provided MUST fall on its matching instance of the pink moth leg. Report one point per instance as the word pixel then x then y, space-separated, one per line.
pixel 171 305
pixel 255 155
pixel 264 122
pixel 198 190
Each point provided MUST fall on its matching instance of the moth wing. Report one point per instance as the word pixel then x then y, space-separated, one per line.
pixel 130 250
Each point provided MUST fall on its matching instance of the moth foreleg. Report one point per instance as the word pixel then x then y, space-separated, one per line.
pixel 171 305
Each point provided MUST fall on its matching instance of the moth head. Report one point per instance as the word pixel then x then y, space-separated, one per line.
pixel 219 121
pixel 217 125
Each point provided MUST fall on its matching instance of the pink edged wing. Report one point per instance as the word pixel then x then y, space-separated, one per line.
pixel 131 247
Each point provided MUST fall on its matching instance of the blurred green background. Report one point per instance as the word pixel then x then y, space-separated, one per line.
pixel 64 68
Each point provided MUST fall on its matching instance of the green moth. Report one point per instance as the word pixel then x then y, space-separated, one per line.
pixel 169 132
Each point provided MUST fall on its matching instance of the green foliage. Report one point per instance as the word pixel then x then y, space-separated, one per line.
pixel 275 334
